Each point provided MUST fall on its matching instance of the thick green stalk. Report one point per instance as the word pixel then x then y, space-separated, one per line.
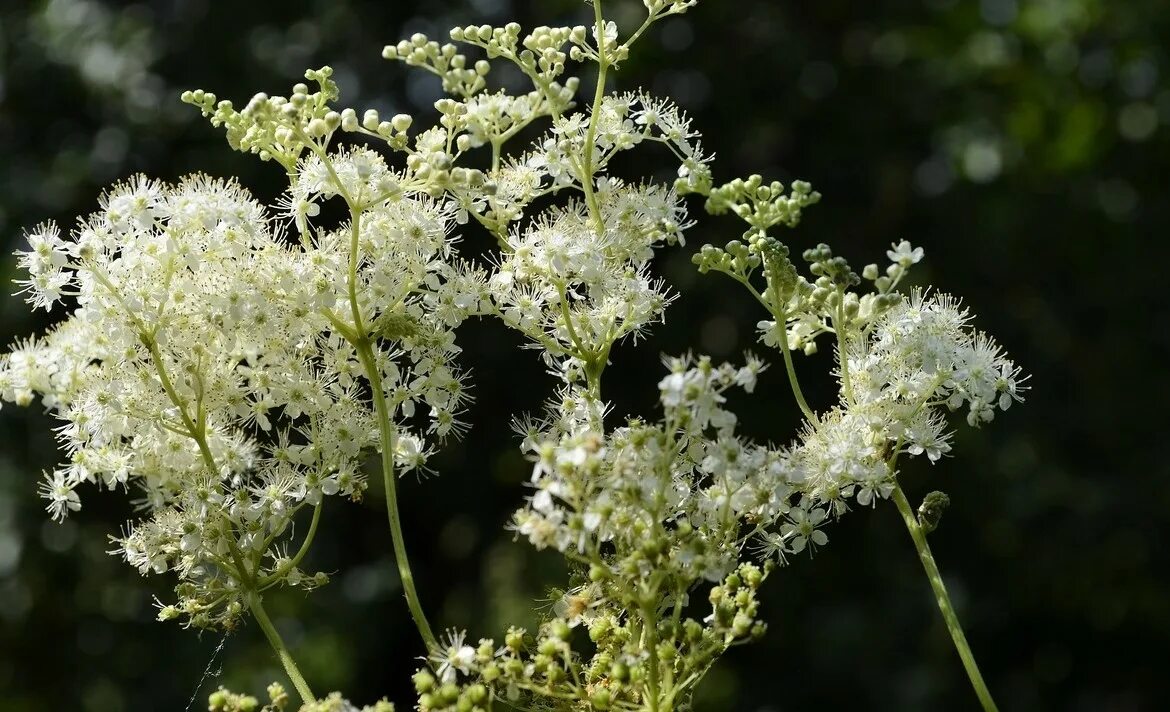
pixel 944 600
pixel 286 659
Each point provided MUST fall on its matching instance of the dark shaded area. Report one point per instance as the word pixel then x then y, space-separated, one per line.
pixel 1023 143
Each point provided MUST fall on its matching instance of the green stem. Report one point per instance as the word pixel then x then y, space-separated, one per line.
pixel 195 431
pixel 591 131
pixel 386 437
pixel 365 351
pixel 776 309
pixel 292 563
pixel 286 659
pixel 782 322
pixel 651 629
pixel 944 601
pixel 355 224
pixel 842 356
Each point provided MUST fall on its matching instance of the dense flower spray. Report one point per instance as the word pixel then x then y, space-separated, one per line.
pixel 231 364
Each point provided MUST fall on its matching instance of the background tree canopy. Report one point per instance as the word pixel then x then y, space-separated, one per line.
pixel 1022 143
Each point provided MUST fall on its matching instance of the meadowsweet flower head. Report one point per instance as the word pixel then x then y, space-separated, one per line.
pixel 202 366
pixel 234 364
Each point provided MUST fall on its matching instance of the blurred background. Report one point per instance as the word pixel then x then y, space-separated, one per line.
pixel 1024 144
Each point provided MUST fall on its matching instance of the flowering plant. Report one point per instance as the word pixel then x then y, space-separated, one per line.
pixel 235 365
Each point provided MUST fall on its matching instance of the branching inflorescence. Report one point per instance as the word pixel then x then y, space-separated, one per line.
pixel 233 364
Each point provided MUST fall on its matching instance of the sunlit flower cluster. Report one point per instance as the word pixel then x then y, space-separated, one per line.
pixel 201 365
pixel 234 364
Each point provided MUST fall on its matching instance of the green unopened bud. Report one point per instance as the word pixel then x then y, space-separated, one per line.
pixel 751 575
pixel 560 630
pixel 599 629
pixel 401 122
pixel 601 699
pixel 317 128
pixel 931 510
pixel 514 639
pixel 741 625
pixel 547 647
pixel 477 693
pixel 424 681
pixel 396 325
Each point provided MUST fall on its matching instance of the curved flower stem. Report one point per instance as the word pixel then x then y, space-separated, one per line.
pixel 776 309
pixel 793 381
pixel 386 436
pixel 286 659
pixel 944 601
pixel 363 345
pixel 274 578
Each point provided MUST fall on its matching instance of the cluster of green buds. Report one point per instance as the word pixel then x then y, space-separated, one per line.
pixel 444 61
pixel 637 662
pixel 224 700
pixel 806 307
pixel 763 205
pixel 275 127
pixel 540 54
pixel 668 7
pixel 392 131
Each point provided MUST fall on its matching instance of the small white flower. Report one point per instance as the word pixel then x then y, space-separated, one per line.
pixel 454 656
pixel 904 254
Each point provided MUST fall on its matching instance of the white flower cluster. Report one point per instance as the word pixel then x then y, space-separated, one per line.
pixel 204 363
pixel 921 353
pixel 576 293
pixel 235 365
pixel 678 499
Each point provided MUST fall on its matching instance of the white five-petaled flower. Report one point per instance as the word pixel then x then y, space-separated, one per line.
pixel 904 254
pixel 453 657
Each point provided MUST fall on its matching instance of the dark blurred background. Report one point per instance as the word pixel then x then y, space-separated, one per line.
pixel 1023 143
